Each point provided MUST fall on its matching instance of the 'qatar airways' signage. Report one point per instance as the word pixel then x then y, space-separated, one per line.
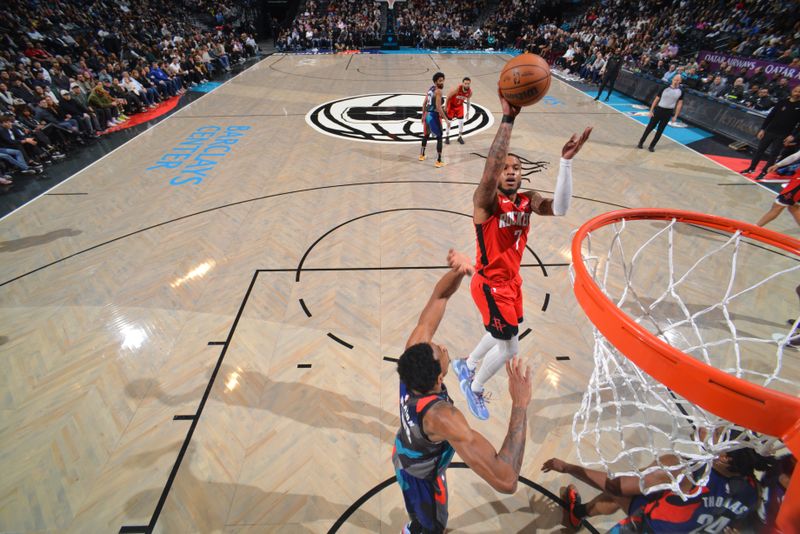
pixel 772 69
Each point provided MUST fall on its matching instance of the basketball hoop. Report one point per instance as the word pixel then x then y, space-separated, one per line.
pixel 684 358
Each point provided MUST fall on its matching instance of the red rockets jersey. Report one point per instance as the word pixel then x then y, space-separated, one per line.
pixel 502 239
pixel 460 98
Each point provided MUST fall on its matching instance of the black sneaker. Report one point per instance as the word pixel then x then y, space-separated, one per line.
pixel 651 149
pixel 447 141
pixel 639 145
pixel 460 141
pixel 57 155
pixel 746 171
pixel 760 176
pixel 29 170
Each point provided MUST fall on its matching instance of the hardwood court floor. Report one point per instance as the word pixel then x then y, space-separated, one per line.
pixel 119 305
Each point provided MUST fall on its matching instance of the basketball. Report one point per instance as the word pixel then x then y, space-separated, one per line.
pixel 525 79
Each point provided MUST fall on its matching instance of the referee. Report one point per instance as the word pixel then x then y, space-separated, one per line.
pixel 664 105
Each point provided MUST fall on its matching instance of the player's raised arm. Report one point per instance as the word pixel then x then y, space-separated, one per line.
pixel 433 312
pixel 484 197
pixel 499 468
pixel 562 196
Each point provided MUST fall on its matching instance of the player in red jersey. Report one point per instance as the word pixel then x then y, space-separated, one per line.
pixel 456 99
pixel 788 198
pixel 728 499
pixel 502 220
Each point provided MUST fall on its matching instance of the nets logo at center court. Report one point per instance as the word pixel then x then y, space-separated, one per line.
pixel 386 118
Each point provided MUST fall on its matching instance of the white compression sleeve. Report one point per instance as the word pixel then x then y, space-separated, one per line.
pixel 495 360
pixel 480 350
pixel 563 193
pixel 789 159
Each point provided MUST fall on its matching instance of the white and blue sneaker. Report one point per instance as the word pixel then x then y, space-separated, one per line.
pixel 475 401
pixel 406 529
pixel 463 371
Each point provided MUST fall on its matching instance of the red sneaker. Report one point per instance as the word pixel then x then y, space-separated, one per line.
pixel 571 498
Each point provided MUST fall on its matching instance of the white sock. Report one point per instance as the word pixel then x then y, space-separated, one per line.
pixel 448 130
pixel 507 349
pixel 480 350
pixel 460 126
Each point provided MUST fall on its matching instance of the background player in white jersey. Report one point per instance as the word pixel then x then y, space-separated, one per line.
pixel 502 221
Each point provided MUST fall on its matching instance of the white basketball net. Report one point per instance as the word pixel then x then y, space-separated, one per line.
pixel 627 420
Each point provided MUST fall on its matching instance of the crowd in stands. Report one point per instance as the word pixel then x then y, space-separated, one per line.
pixel 660 39
pixel 339 25
pixel 345 25
pixel 71 69
pixel 656 37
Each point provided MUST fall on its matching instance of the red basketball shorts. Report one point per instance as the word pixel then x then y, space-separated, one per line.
pixel 500 305
pixel 455 112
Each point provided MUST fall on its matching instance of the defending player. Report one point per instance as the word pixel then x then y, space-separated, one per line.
pixel 729 496
pixel 502 220
pixel 456 100
pixel 432 115
pixel 432 430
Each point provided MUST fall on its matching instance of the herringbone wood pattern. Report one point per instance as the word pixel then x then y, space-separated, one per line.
pixel 101 350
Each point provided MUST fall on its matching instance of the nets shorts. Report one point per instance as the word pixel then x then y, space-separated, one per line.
pixel 500 305
pixel 786 200
pixel 426 502
pixel 789 195
pixel 433 123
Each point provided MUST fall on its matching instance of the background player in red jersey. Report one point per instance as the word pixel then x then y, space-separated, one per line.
pixel 456 99
pixel 502 221
pixel 730 496
pixel 789 197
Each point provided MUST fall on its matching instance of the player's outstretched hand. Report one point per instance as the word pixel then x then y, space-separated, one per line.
pixel 575 143
pixel 772 169
pixel 459 262
pixel 555 464
pixel 519 383
pixel 508 108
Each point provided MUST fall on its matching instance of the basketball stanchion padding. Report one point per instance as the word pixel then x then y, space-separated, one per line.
pixel 702 379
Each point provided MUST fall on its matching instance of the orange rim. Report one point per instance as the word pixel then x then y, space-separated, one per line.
pixel 748 405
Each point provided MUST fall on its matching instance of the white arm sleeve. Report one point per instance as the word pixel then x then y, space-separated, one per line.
pixel 563 193
pixel 789 160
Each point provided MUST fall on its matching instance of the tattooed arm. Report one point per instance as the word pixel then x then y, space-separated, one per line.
pixel 484 197
pixel 499 469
